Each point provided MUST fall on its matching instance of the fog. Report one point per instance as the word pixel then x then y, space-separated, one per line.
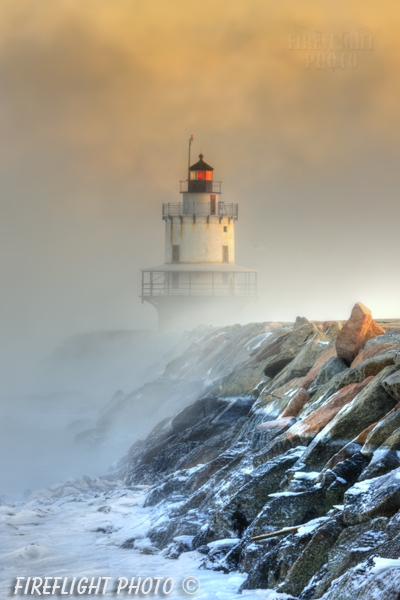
pixel 66 394
pixel 98 100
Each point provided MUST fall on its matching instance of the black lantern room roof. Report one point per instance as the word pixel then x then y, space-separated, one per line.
pixel 201 165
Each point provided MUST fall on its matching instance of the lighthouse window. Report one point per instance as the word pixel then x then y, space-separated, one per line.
pixel 207 175
pixel 225 228
pixel 175 254
pixel 225 254
pixel 213 202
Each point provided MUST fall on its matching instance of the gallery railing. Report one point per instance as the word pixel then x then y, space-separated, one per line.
pixel 156 284
pixel 181 209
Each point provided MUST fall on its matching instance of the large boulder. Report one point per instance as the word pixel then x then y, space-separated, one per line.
pixel 353 545
pixel 369 406
pixel 274 563
pixel 307 354
pixel 382 431
pixel 242 382
pixel 371 580
pixel 383 461
pixel 250 498
pixel 313 557
pixel 271 403
pixel 302 432
pixel 356 332
pixel 375 364
pixel 331 367
pixel 392 384
pixel 372 498
pixel 391 337
pixel 369 352
pixel 296 403
pixel 277 355
pixel 319 364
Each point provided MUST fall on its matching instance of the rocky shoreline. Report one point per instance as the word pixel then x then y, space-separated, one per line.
pixel 288 467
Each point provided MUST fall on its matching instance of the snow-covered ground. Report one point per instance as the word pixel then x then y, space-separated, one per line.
pixel 76 529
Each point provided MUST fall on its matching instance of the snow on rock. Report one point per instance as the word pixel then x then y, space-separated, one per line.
pixel 193 497
pixel 382 564
pixel 373 497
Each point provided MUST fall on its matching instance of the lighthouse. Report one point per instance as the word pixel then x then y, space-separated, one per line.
pixel 199 282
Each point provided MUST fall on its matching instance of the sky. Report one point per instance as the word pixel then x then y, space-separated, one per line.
pixel 97 102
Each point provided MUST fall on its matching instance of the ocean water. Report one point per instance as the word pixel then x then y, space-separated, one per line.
pixel 76 530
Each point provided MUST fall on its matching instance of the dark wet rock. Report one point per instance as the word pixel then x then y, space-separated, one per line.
pixel 199 434
pixel 204 537
pixel 288 509
pixel 393 527
pixel 313 557
pixel 128 544
pixel 276 562
pixel 162 534
pixel 203 549
pixel 366 581
pixel 353 546
pixel 383 461
pixel 150 550
pixel 348 470
pixel 284 453
pixel 181 544
pixel 216 557
pixel 391 548
pixel 253 495
pixel 371 498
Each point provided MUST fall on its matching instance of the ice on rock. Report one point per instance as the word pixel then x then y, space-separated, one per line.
pixel 382 564
pixel 225 542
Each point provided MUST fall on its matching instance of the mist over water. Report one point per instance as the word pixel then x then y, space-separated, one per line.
pixel 48 400
pixel 98 105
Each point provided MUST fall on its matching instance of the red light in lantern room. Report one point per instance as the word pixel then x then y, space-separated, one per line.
pixel 201 175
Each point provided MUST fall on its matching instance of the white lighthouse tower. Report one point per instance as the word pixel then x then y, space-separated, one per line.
pixel 199 282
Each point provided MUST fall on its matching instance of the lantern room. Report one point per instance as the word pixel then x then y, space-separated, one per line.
pixel 200 177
